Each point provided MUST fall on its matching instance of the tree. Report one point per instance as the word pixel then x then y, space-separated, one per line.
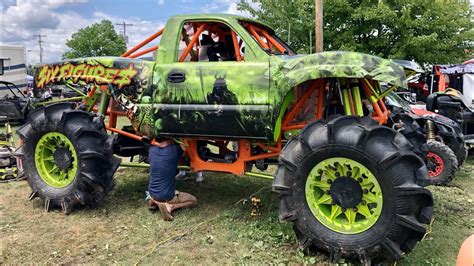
pixel 99 39
pixel 429 32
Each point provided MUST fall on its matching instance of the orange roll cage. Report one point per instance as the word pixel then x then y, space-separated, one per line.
pixel 257 37
pixel 193 41
pixel 381 112
pixel 143 43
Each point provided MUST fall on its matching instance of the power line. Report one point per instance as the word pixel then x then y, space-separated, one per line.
pixel 40 43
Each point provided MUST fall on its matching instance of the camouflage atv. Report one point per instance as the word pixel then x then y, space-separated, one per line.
pixel 350 188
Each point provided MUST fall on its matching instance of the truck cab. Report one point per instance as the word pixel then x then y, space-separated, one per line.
pixel 212 77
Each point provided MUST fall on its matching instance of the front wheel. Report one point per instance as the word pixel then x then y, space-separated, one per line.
pixel 67 156
pixel 441 162
pixel 353 191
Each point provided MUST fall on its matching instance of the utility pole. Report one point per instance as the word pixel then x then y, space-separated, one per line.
pixel 318 4
pixel 40 43
pixel 310 41
pixel 289 32
pixel 124 25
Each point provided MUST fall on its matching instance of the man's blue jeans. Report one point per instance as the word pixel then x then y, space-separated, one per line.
pixel 163 169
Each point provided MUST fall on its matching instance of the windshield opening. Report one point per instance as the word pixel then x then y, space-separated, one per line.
pixel 267 39
pixel 394 100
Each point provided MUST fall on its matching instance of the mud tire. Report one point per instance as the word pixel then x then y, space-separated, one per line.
pixel 96 164
pixel 460 151
pixel 407 206
pixel 449 163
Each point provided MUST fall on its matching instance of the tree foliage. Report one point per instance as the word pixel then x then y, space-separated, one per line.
pixel 429 32
pixel 99 39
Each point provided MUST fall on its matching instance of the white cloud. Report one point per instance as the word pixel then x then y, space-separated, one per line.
pixel 29 16
pixel 20 22
pixel 57 3
pixel 233 9
pixel 161 2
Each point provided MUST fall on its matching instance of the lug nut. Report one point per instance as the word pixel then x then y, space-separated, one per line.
pixel 349 173
pixel 343 209
pixel 333 202
pixel 338 174
pixel 329 181
pixel 363 202
pixel 360 180
pixel 355 209
pixel 366 191
pixel 327 192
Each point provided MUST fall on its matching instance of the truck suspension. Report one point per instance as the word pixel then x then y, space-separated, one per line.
pixel 430 131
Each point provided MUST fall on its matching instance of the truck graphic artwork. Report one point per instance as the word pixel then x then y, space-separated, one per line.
pixel 98 74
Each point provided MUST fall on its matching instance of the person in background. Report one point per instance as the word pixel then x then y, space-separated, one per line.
pixel 162 191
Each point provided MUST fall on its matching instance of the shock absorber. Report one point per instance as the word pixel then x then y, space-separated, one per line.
pixel 430 130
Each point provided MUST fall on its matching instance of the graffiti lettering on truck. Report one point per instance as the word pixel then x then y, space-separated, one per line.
pixel 85 72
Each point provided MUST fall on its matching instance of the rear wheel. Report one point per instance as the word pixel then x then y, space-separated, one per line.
pixel 353 190
pixel 67 156
pixel 441 162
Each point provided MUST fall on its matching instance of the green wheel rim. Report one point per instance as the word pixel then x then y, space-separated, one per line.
pixel 47 166
pixel 320 187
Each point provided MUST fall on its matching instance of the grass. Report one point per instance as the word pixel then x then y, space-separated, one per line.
pixel 122 230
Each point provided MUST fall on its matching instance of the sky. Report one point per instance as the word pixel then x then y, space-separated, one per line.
pixel 59 19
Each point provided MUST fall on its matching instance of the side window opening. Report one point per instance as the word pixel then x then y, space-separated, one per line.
pixel 209 42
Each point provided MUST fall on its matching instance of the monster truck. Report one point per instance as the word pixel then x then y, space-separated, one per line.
pixel 350 188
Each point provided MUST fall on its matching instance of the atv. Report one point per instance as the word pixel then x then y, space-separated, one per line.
pixel 437 138
pixel 13 104
pixel 454 105
pixel 351 186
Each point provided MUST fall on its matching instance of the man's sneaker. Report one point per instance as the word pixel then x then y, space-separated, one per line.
pixel 181 175
pixel 199 177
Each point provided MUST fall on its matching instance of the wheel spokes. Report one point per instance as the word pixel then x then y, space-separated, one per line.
pixel 46 153
pixel 350 216
pixel 364 210
pixel 324 183
pixel 321 184
pixel 325 199
pixel 371 198
pixel 336 210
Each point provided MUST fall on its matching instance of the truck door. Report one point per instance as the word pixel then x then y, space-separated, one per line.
pixel 211 90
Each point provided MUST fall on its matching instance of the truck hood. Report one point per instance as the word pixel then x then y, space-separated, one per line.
pixel 300 68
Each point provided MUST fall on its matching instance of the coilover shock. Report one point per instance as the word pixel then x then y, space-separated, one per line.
pixel 430 130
